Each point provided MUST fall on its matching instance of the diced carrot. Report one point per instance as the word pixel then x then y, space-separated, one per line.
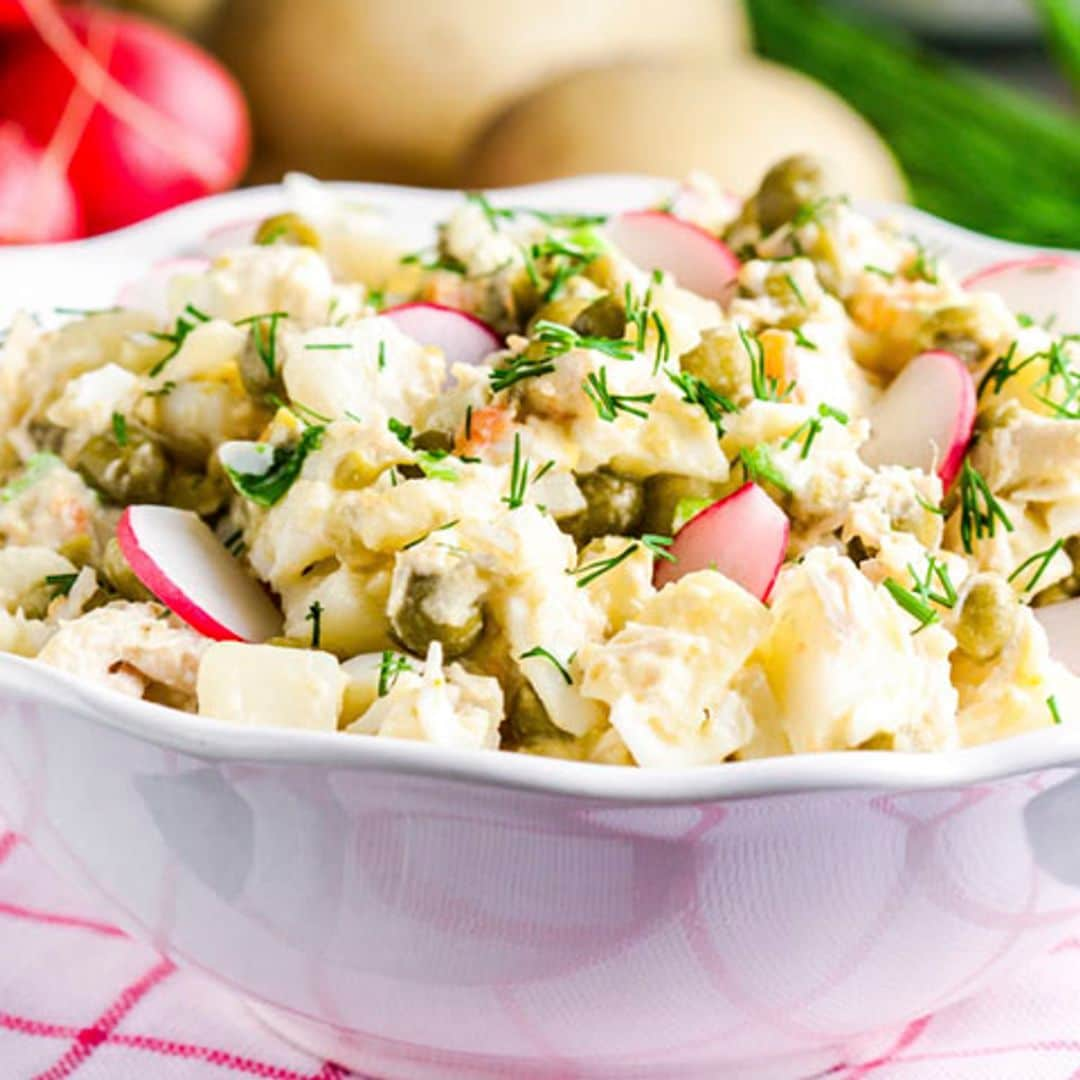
pixel 482 428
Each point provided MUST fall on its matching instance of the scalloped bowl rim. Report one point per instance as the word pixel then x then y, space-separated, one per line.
pixel 214 740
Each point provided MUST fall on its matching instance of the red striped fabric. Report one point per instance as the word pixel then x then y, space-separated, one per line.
pixel 79 998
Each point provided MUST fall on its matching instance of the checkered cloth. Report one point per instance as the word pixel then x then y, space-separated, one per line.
pixel 80 998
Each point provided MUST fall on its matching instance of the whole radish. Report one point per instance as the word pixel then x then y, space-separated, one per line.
pixel 143 119
pixel 37 202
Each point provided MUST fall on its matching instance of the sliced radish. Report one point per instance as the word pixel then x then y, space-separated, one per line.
pixel 925 416
pixel 232 234
pixel 151 291
pixel 744 536
pixel 463 338
pixel 1062 625
pixel 1045 287
pixel 176 556
pixel 693 256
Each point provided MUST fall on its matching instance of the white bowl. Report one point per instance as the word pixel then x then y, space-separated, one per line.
pixel 417 912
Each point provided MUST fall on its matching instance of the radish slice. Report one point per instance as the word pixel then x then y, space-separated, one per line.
pixel 151 291
pixel 232 234
pixel 463 338
pixel 925 416
pixel 744 536
pixel 176 556
pixel 1045 287
pixel 1062 625
pixel 696 259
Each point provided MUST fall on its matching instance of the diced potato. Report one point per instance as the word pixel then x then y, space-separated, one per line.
pixel 269 686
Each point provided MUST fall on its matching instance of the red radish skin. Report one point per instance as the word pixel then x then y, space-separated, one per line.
pixel 12 15
pixel 176 556
pixel 463 338
pixel 1044 287
pixel 696 259
pixel 927 414
pixel 744 536
pixel 37 202
pixel 142 119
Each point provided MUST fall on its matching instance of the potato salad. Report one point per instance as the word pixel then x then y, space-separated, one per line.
pixel 716 479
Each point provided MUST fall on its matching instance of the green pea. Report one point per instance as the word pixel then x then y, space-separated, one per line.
pixel 605 317
pixel 417 622
pixel 118 573
pixel 527 722
pixel 135 472
pixel 614 505
pixel 986 619
pixel 288 228
pixel 787 187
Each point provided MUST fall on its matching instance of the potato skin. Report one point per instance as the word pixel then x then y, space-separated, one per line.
pixel 386 90
pixel 733 120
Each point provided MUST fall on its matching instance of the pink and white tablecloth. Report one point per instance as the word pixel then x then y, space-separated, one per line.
pixel 80 998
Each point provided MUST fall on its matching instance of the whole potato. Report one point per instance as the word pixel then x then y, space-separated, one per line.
pixel 733 119
pixel 394 89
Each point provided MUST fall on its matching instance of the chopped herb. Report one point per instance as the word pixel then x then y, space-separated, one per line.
pixel 658 546
pixel 516 369
pixel 354 417
pixel 375 298
pixel 162 391
pixel 793 285
pixel 924 268
pixel 86 312
pixel 559 340
pixel 924 586
pixel 60 584
pixel 328 345
pixel 493 215
pixel 591 571
pixel 814 211
pixel 190 318
pixel 380 361
pixel 120 430
pixel 609 405
pixel 663 343
pixel 234 542
pixel 307 414
pixel 1040 560
pixel 698 392
pixel 439 528
pixel 468 423
pixel 519 476
pixel 758 466
pixel 1002 370
pixel 391 666
pixel 542 653
pixel 543 470
pixel 402 431
pixel 1052 705
pixel 1025 320
pixel 888 275
pixel 809 429
pixel 802 340
pixel 562 219
pixel 264 337
pixel 433 260
pixel 37 465
pixel 285 464
pixel 564 259
pixel 929 507
pixel 765 387
pixel 637 314
pixel 314 616
pixel 1059 372
pixel 980 511
pixel 434 466
pixel 912 603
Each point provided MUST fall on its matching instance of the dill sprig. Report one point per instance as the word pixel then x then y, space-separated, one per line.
pixel 518 368
pixel 438 528
pixel 189 319
pixel 609 405
pixel 391 665
pixel 60 584
pixel 1052 705
pixel 696 391
pixel 912 603
pixel 802 340
pixel 264 337
pixel 980 511
pixel 812 427
pixel 658 545
pixel 314 616
pixel 1040 560
pixel 758 465
pixel 120 429
pixel 765 387
pixel 542 653
pixel 925 587
pixel 430 259
pixel 519 476
pixel 598 567
pixel 563 259
pixel 558 340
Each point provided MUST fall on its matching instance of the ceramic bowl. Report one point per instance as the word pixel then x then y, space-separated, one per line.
pixel 415 912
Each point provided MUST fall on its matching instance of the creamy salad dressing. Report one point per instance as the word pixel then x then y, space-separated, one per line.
pixel 466 554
